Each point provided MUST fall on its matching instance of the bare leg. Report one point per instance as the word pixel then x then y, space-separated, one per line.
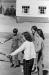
pixel 11 61
pixel 16 61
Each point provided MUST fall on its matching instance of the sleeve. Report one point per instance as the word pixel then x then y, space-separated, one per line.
pixel 21 48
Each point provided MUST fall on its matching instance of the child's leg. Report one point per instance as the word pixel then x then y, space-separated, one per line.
pixel 11 62
pixel 21 68
pixel 16 61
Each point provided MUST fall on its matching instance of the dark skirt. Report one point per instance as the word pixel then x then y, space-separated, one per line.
pixel 39 55
pixel 27 66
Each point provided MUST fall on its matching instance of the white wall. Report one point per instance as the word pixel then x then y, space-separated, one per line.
pixel 33 11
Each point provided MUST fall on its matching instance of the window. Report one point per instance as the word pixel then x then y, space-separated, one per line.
pixel 42 9
pixel 25 9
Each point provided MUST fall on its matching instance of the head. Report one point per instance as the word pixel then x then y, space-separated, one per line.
pixel 27 36
pixel 15 30
pixel 21 39
pixel 40 32
pixel 33 29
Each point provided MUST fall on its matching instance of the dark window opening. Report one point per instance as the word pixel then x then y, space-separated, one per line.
pixel 25 9
pixel 42 9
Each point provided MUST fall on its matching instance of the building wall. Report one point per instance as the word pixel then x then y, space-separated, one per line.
pixel 38 11
pixel 34 10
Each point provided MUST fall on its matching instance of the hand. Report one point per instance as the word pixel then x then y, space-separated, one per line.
pixel 9 56
pixel 2 42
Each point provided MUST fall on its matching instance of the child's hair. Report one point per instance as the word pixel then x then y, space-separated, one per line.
pixel 34 27
pixel 27 36
pixel 15 30
pixel 40 32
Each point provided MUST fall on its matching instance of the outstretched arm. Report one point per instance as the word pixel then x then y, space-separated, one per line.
pixel 21 48
pixel 8 38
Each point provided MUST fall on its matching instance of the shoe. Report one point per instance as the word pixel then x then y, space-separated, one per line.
pixel 16 66
pixel 12 65
pixel 35 70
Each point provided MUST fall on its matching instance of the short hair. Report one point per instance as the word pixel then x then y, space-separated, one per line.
pixel 34 27
pixel 40 32
pixel 27 36
pixel 15 30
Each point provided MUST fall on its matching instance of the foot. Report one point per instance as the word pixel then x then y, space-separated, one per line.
pixel 12 65
pixel 17 65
